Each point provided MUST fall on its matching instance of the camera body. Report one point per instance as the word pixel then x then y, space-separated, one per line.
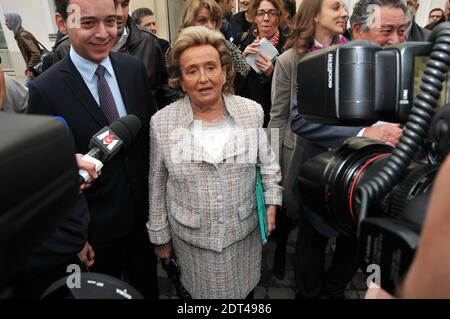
pixel 366 188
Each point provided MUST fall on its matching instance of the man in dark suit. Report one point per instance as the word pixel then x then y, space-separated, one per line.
pixel 414 32
pixel 91 88
pixel 314 232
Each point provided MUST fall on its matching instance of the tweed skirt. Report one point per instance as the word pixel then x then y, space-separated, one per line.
pixel 230 274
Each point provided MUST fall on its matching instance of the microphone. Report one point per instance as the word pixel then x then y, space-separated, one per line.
pixel 108 141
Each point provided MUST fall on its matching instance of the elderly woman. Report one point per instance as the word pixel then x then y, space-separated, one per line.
pixel 204 153
pixel 257 86
pixel 207 13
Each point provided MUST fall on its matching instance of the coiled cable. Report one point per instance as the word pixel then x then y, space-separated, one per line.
pixel 416 127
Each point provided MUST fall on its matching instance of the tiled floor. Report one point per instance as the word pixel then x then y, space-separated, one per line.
pixel 270 287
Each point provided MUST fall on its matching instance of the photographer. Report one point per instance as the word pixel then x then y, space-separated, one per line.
pixel 385 25
pixel 428 275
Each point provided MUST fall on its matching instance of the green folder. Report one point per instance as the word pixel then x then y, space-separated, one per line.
pixel 262 216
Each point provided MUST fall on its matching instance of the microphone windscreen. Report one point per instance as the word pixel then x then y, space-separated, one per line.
pixel 126 128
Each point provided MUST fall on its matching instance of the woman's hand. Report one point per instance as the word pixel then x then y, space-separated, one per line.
pixel 164 251
pixel 251 49
pixel 271 214
pixel 264 64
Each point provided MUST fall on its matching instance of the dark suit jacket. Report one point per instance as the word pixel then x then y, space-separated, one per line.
pixel 417 33
pixel 119 198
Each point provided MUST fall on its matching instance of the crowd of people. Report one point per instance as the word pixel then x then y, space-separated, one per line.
pixel 186 187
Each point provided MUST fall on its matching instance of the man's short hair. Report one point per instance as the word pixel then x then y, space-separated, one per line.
pixel 138 14
pixel 436 9
pixel 362 10
pixel 61 7
pixel 290 8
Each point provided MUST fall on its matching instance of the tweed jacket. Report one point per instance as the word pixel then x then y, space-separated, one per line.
pixel 208 205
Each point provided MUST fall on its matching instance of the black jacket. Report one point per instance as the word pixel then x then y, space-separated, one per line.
pixel 60 51
pixel 240 26
pixel 417 33
pixel 145 46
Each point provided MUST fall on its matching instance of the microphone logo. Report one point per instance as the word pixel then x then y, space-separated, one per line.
pixel 109 139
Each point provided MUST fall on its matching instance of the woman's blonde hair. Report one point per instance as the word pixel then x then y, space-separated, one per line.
pixel 192 9
pixel 196 36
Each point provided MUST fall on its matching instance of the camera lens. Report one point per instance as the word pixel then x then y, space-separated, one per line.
pixel 328 181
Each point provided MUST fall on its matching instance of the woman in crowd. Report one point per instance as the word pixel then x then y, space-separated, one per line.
pixel 207 13
pixel 242 21
pixel 202 179
pixel 318 24
pixel 257 86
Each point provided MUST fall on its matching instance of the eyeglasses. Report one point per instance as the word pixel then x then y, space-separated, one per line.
pixel 271 13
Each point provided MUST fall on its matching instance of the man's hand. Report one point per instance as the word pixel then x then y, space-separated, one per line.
pixel 88 167
pixel 271 212
pixel 86 255
pixel 387 133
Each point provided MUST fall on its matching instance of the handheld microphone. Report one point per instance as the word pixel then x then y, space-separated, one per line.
pixel 108 141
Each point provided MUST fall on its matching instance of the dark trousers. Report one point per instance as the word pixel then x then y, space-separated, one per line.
pixel 311 278
pixel 131 259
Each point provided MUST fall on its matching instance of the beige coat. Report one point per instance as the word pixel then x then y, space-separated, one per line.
pixel 284 90
pixel 208 209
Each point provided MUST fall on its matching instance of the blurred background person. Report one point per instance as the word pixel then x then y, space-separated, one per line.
pixel 213 226
pixel 290 9
pixel 436 17
pixel 414 32
pixel 242 21
pixel 145 18
pixel 143 45
pixel 267 16
pixel 13 95
pixel 207 13
pixel 226 28
pixel 62 44
pixel 318 25
pixel 27 43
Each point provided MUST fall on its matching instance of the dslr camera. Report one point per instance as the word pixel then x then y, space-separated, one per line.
pixel 366 188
